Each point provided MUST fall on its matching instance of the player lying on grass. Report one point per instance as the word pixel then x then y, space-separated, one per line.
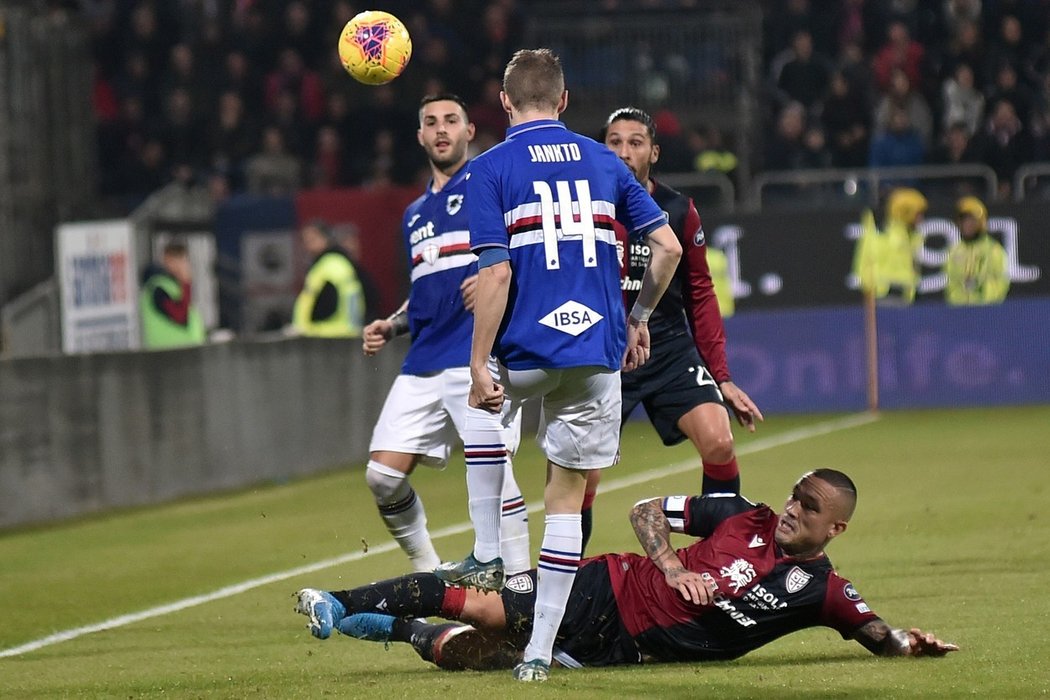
pixel 751 577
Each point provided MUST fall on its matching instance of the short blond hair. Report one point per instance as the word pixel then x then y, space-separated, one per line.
pixel 534 79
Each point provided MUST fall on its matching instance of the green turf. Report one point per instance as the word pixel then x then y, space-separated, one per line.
pixel 951 534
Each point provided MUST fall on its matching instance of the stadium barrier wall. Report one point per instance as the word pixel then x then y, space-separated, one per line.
pixel 929 355
pixel 85 433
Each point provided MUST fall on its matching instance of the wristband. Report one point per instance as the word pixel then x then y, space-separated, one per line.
pixel 399 321
pixel 641 314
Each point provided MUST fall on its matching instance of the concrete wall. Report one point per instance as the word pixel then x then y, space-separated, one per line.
pixel 80 434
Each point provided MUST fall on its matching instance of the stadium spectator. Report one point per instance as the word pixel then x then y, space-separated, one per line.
pixel 169 317
pixel 954 147
pixel 272 171
pixel 710 152
pixel 181 131
pixel 292 76
pixel 900 144
pixel 965 46
pixel 1003 144
pixel 785 150
pixel 847 123
pixel 976 267
pixel 804 76
pixel 328 168
pixel 963 103
pixel 750 577
pixel 902 95
pixel 231 137
pixel 1007 87
pixel 899 52
pixel 1008 47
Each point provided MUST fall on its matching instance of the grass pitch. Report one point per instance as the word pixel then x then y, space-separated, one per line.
pixel 951 534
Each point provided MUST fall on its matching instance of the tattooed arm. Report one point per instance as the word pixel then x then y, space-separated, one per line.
pixel 883 640
pixel 654 532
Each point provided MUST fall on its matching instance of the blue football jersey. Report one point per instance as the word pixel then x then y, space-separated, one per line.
pixel 550 196
pixel 437 238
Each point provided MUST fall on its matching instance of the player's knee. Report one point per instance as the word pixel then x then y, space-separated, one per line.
pixel 387 485
pixel 718 449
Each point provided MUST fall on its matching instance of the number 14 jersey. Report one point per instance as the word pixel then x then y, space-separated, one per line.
pixel 550 196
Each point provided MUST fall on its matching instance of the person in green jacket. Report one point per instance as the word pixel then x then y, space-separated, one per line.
pixel 976 266
pixel 169 318
pixel 884 261
pixel 332 301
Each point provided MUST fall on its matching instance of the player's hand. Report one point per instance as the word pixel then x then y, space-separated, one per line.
pixel 927 644
pixel 485 393
pixel 691 585
pixel 375 335
pixel 469 291
pixel 638 347
pixel 743 407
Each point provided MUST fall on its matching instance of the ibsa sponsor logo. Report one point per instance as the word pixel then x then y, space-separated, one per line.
pixel 522 583
pixel 571 317
pixel 850 592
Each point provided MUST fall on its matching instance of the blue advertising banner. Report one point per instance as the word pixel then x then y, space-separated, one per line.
pixel 929 356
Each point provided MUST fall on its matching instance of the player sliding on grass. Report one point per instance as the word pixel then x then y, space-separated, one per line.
pixel 752 577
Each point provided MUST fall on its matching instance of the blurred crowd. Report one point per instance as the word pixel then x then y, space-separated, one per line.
pixel 908 82
pixel 248 95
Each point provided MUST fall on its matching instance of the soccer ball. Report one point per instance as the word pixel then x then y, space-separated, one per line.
pixel 374 47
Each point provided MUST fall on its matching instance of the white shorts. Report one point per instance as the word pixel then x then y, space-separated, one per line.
pixel 580 414
pixel 426 415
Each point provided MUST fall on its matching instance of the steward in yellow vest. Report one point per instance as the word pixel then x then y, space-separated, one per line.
pixel 884 261
pixel 332 301
pixel 976 265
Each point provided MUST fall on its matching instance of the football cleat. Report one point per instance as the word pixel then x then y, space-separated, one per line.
pixel 372 627
pixel 323 610
pixel 535 670
pixel 487 576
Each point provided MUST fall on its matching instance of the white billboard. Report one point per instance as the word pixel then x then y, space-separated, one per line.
pixel 99 286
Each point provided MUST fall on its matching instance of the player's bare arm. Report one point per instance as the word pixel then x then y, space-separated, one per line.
pixel 654 533
pixel 745 410
pixel 491 303
pixel 881 639
pixel 376 334
pixel 666 252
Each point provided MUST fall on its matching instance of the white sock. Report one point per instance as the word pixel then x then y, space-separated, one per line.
pixel 559 559
pixel 402 511
pixel 486 458
pixel 514 526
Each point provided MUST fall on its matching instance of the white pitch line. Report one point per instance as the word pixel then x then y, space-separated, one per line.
pixel 759 445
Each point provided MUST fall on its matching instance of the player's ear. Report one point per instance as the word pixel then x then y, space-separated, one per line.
pixel 655 155
pixel 505 101
pixel 471 130
pixel 837 528
pixel 419 136
pixel 563 102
